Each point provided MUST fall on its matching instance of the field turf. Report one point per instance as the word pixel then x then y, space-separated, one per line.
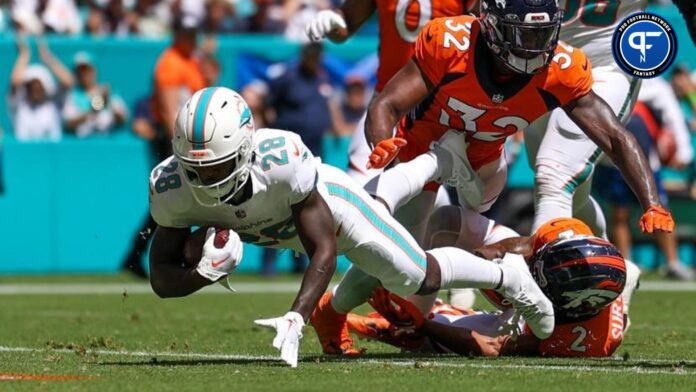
pixel 64 334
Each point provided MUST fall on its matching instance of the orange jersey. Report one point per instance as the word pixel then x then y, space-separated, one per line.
pixel 176 71
pixel 598 336
pixel 400 21
pixel 453 55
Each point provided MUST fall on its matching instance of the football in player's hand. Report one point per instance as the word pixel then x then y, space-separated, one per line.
pixel 221 238
pixel 193 249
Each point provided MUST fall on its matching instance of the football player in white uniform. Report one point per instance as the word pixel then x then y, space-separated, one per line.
pixel 562 180
pixel 264 187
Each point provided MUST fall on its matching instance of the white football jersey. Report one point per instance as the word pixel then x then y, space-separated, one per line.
pixel 283 173
pixel 590 24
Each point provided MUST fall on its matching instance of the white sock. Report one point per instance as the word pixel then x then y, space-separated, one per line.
pixel 461 269
pixel 499 232
pixel 632 278
pixel 591 213
pixel 353 290
pixel 396 186
pixel 423 302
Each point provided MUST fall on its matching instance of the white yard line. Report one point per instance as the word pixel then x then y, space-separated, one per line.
pixel 137 288
pixel 241 287
pixel 148 354
pixel 568 368
pixel 637 367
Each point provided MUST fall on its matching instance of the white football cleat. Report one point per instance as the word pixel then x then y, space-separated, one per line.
pixel 632 283
pixel 528 299
pixel 455 169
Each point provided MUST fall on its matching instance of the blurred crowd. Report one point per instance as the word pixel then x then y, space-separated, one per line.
pixel 153 18
pixel 49 98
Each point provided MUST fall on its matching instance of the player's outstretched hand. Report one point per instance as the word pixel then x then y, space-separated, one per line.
pixel 325 22
pixel 656 218
pixel 397 310
pixel 222 251
pixel 385 152
pixel 288 334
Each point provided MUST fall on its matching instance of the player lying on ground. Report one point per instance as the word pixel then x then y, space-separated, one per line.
pixel 471 83
pixel 582 275
pixel 264 187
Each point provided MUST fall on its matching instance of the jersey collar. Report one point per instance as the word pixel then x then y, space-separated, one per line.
pixel 497 93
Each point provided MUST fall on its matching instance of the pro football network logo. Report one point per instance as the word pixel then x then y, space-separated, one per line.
pixel 644 45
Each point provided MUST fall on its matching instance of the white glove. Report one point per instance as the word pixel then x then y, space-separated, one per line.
pixel 218 262
pixel 288 334
pixel 323 23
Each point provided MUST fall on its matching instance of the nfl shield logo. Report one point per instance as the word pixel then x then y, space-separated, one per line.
pixel 240 214
pixel 498 98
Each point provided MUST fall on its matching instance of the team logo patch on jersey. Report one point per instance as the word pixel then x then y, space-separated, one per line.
pixel 644 45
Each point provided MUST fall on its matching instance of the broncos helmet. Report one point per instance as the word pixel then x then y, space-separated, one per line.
pixel 581 275
pixel 522 33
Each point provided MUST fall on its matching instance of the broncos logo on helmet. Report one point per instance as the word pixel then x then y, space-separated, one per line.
pixel 581 275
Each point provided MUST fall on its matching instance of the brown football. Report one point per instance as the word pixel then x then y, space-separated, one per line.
pixel 193 249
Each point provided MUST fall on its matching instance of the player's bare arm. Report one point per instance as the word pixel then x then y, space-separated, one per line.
pixel 168 276
pixel 518 245
pixel 355 13
pixel 600 124
pixel 339 24
pixel 463 341
pixel 314 225
pixel 404 91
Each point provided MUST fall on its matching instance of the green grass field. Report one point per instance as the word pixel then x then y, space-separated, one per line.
pixel 111 339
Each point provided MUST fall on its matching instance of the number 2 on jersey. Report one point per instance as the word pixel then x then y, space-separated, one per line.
pixel 271 144
pixel 577 344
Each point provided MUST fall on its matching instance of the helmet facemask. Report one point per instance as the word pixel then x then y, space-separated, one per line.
pixel 213 141
pixel 222 190
pixel 525 46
